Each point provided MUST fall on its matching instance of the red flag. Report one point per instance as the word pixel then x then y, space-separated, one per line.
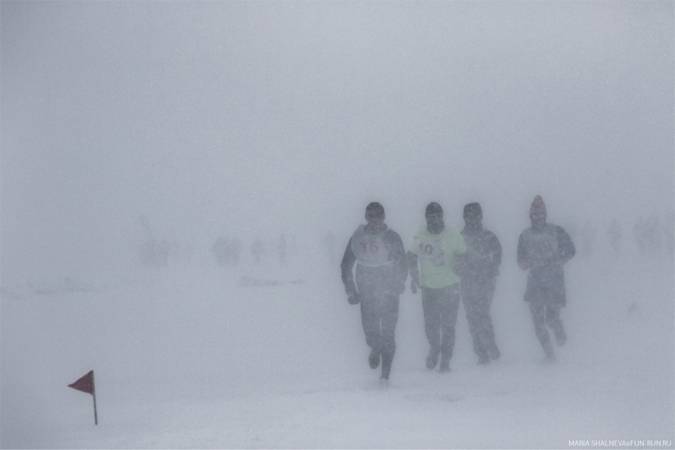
pixel 85 383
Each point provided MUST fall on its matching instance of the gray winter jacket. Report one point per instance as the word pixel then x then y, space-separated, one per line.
pixel 543 250
pixel 483 255
pixel 381 267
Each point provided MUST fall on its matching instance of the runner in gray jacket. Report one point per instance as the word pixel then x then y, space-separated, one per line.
pixel 543 249
pixel 479 268
pixel 381 272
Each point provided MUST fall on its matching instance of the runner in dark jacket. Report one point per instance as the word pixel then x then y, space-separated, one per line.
pixel 478 269
pixel 543 249
pixel 381 272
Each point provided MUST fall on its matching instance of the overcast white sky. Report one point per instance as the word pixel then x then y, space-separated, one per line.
pixel 257 117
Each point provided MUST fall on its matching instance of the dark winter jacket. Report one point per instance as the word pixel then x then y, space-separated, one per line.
pixel 381 267
pixel 543 250
pixel 483 256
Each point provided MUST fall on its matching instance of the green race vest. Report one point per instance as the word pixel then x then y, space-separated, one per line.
pixel 436 255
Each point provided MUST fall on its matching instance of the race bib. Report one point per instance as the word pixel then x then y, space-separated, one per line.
pixel 432 251
pixel 370 249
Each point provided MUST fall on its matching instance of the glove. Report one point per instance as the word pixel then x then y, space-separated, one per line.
pixel 354 299
pixel 413 286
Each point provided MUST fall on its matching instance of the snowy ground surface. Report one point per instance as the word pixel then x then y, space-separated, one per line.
pixel 194 357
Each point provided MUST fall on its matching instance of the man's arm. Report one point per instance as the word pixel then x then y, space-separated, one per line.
pixel 495 250
pixel 397 254
pixel 347 267
pixel 523 260
pixel 414 271
pixel 460 255
pixel 565 245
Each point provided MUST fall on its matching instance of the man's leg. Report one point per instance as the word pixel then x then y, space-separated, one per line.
pixel 370 320
pixel 488 332
pixel 538 311
pixel 472 309
pixel 554 321
pixel 432 324
pixel 389 319
pixel 449 307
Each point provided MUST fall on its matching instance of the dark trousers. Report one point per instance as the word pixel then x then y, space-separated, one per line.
pixel 440 316
pixel 547 315
pixel 379 315
pixel 477 298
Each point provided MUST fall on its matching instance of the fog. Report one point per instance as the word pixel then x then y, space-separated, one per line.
pixel 258 116
pixel 253 119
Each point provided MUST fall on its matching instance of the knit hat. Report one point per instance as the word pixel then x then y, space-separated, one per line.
pixel 473 210
pixel 375 209
pixel 538 207
pixel 433 208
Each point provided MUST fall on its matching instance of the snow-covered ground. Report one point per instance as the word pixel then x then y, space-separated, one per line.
pixel 191 357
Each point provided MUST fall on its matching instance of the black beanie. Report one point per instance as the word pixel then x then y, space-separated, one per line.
pixel 375 208
pixel 538 206
pixel 433 208
pixel 473 210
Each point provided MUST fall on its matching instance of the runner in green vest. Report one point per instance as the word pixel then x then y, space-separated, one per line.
pixel 432 260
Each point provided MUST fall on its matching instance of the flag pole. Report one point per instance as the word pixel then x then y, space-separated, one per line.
pixel 87 385
pixel 94 395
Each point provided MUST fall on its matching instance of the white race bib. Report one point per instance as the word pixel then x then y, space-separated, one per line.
pixel 369 248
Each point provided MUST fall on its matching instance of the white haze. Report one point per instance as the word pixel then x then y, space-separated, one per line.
pixel 253 119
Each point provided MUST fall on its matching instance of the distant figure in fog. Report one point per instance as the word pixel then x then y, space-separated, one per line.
pixel 432 260
pixel 654 235
pixel 257 250
pixel 669 233
pixel 153 252
pixel 282 249
pixel 543 249
pixel 588 236
pixel 226 251
pixel 615 235
pixel 647 235
pixel 479 268
pixel 381 272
